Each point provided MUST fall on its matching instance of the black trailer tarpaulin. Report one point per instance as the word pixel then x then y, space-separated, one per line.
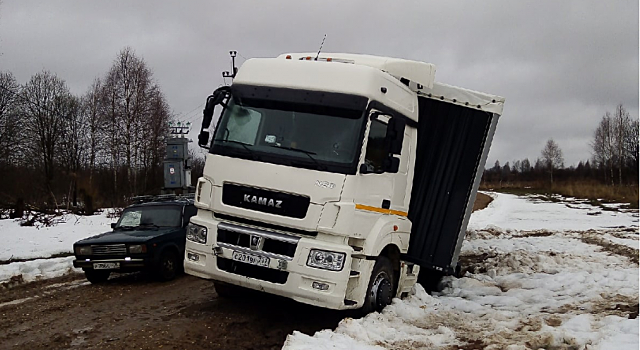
pixel 451 144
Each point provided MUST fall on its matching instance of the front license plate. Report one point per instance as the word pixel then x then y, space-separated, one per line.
pixel 106 266
pixel 251 259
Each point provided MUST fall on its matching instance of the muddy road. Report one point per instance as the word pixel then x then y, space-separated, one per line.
pixel 135 312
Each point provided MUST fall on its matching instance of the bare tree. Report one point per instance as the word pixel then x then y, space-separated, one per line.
pixel 91 110
pixel 621 127
pixel 525 166
pixel 136 115
pixel 73 146
pixel 45 103
pixel 631 147
pixel 615 144
pixel 603 146
pixel 9 119
pixel 552 157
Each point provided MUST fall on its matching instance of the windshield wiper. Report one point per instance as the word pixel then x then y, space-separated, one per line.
pixel 245 145
pixel 308 153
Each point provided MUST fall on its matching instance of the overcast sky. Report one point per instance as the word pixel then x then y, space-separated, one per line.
pixel 560 64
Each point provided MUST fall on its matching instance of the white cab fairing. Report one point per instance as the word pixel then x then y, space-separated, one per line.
pixel 330 77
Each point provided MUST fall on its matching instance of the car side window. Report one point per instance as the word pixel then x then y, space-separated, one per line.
pixel 377 151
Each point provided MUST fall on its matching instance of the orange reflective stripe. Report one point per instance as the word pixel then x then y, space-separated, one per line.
pixel 381 210
pixel 398 212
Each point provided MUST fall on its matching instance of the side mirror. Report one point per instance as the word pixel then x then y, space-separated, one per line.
pixel 203 138
pixel 395 134
pixel 113 225
pixel 215 99
pixel 391 164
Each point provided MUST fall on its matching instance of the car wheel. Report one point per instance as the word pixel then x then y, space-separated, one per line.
pixel 381 287
pixel 97 276
pixel 225 290
pixel 168 266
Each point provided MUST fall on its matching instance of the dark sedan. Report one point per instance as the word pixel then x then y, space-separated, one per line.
pixel 147 237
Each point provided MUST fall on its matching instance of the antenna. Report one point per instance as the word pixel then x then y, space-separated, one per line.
pixel 226 74
pixel 320 49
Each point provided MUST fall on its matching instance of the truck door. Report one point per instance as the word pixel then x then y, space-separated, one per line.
pixel 381 189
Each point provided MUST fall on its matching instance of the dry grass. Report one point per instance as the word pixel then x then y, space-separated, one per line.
pixel 599 192
pixel 596 192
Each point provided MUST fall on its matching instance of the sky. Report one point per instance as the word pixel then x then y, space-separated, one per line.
pixel 561 65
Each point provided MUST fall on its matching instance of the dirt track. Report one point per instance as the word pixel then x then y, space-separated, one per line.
pixel 133 311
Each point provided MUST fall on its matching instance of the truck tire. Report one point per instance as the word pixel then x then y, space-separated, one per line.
pixel 96 276
pixel 381 287
pixel 225 290
pixel 167 268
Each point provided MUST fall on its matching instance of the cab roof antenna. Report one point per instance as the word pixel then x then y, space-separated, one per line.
pixel 226 74
pixel 320 49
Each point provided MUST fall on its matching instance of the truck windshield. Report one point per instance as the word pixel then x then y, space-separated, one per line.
pixel 315 137
pixel 150 216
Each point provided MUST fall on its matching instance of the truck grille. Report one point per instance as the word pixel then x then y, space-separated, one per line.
pixel 270 245
pixel 110 249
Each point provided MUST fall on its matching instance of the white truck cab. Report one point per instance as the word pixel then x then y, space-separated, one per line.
pixel 334 179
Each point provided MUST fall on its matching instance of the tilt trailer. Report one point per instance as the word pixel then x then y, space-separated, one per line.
pixel 334 180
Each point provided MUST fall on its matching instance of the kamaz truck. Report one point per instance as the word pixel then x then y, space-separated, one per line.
pixel 334 179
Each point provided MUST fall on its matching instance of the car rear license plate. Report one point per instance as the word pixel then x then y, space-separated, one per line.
pixel 106 266
pixel 251 259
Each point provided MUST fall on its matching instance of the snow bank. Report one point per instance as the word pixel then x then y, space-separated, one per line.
pixel 535 280
pixel 38 269
pixel 26 242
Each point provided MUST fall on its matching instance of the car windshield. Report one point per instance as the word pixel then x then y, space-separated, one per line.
pixel 316 137
pixel 150 217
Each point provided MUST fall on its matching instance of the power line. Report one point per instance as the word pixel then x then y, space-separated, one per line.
pixel 184 115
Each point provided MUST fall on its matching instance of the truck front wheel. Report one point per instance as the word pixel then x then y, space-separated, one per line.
pixel 381 287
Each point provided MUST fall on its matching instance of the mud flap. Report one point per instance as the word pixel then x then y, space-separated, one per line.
pixel 359 280
pixel 408 278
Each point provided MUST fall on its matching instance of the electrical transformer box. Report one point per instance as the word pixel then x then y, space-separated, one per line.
pixel 177 148
pixel 174 175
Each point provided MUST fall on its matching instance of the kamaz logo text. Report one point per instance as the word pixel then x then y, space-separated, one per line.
pixel 262 201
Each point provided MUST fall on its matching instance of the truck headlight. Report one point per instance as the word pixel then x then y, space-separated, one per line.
pixel 83 250
pixel 137 248
pixel 196 233
pixel 323 259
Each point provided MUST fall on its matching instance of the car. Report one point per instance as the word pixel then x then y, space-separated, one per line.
pixel 149 236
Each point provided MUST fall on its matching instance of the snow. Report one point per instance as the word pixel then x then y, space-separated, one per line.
pixel 529 213
pixel 536 280
pixel 37 269
pixel 24 242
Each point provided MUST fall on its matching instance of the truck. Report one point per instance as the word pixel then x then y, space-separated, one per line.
pixel 337 179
